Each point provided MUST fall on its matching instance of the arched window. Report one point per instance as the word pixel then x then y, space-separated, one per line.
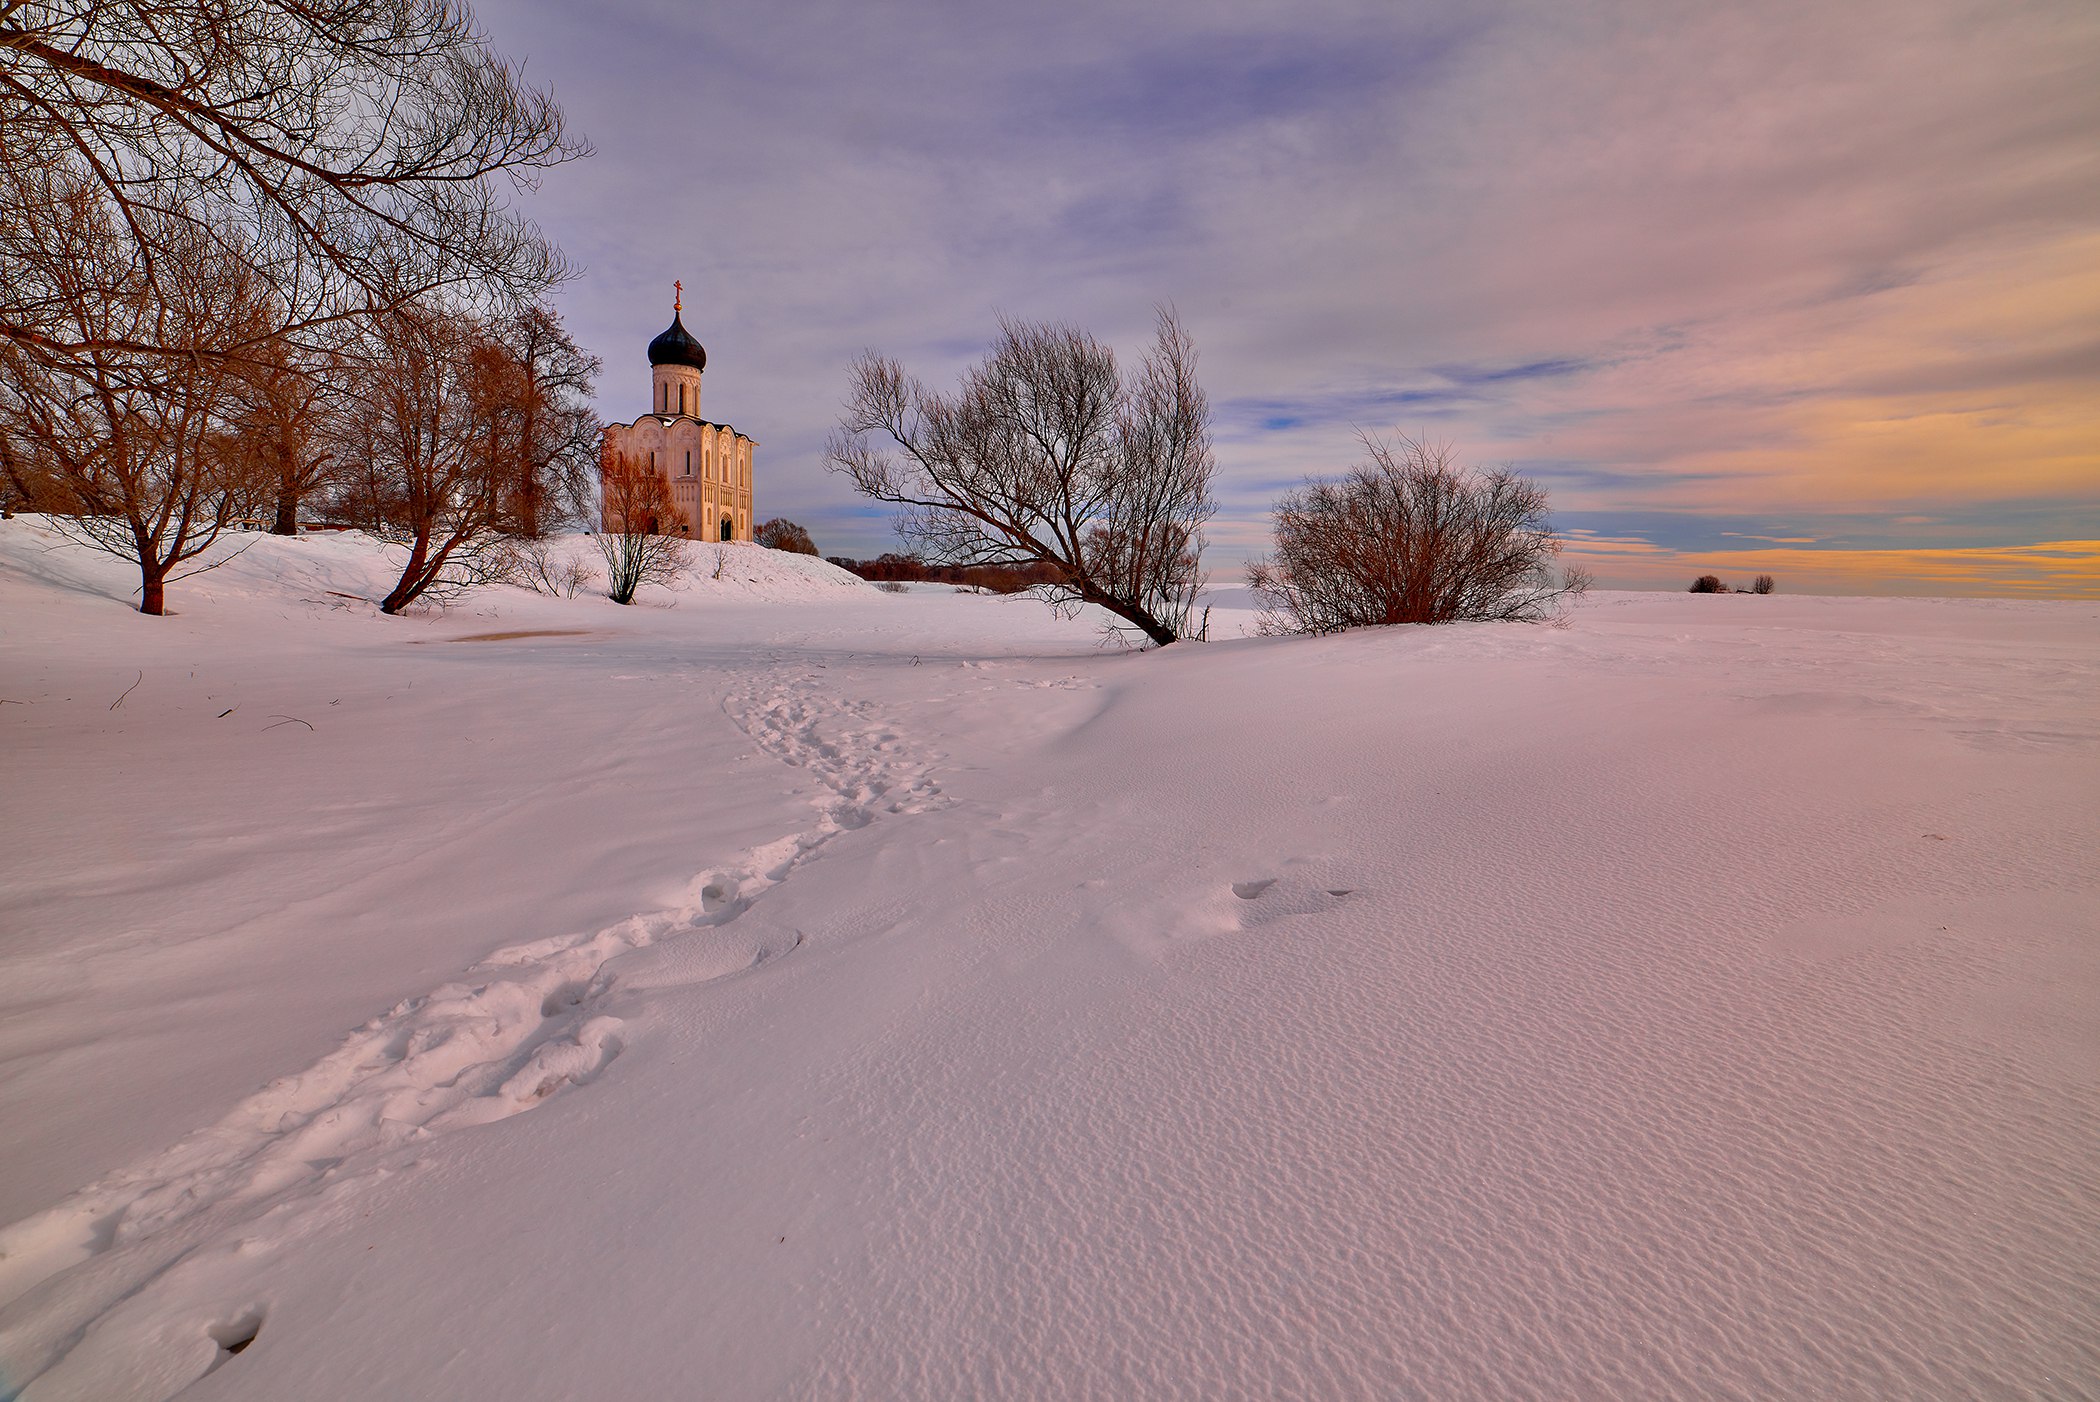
pixel 689 462
pixel 728 530
pixel 681 399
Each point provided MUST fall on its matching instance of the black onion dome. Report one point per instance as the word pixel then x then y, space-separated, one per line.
pixel 677 347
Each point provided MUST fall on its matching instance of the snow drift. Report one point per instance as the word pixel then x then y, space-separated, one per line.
pixel 785 994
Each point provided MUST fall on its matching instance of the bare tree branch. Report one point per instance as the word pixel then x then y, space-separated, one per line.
pixel 361 153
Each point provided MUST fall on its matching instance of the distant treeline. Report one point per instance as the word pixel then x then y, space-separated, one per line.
pixel 999 579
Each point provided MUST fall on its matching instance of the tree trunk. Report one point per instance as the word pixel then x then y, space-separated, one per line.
pixel 287 522
pixel 152 589
pixel 412 577
pixel 1152 628
pixel 1138 618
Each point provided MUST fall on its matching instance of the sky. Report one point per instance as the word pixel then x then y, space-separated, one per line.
pixel 1805 289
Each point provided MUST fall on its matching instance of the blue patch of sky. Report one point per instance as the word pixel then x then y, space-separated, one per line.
pixel 1119 221
pixel 1465 388
pixel 1216 83
pixel 1995 525
pixel 1534 370
pixel 1371 408
pixel 1576 473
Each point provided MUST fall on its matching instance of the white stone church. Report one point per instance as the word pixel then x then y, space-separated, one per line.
pixel 708 465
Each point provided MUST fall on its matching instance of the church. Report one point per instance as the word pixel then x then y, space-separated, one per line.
pixel 707 465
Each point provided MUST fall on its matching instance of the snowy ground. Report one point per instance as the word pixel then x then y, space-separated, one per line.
pixel 912 999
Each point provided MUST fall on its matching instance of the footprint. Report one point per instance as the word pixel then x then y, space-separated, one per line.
pixel 238 1332
pixel 566 998
pixel 232 1337
pixel 572 1061
pixel 1271 898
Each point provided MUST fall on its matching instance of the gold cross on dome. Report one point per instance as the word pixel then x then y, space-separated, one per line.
pixel 677 296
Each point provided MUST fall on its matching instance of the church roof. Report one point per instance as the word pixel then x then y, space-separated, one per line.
pixel 667 420
pixel 676 346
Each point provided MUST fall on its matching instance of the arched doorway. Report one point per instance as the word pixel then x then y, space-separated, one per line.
pixel 728 529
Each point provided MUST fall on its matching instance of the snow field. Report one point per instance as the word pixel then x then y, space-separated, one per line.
pixel 1696 1001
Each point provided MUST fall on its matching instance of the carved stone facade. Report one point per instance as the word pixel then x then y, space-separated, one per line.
pixel 706 465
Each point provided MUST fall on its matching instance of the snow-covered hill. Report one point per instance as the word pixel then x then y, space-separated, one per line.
pixel 349 566
pixel 784 988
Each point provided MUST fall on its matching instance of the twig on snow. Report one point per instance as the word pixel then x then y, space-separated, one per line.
pixel 127 691
pixel 287 720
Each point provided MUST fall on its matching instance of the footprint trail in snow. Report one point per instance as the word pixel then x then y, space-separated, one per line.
pixel 521 1026
pixel 843 744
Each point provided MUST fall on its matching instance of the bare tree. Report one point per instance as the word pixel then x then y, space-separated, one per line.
pixel 359 155
pixel 1763 584
pixel 536 382
pixel 1047 454
pixel 428 471
pixel 285 400
pixel 1410 537
pixel 783 534
pixel 142 466
pixel 1709 584
pixel 639 512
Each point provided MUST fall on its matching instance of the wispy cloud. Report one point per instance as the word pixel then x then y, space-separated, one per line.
pixel 1535 370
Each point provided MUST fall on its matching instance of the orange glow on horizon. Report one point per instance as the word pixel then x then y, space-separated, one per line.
pixel 2046 569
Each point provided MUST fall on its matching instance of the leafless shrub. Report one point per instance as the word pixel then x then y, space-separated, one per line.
pixel 991 579
pixel 1003 579
pixel 1047 455
pixel 893 586
pixel 537 565
pixel 1409 537
pixel 1763 584
pixel 638 507
pixel 782 534
pixel 1709 584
